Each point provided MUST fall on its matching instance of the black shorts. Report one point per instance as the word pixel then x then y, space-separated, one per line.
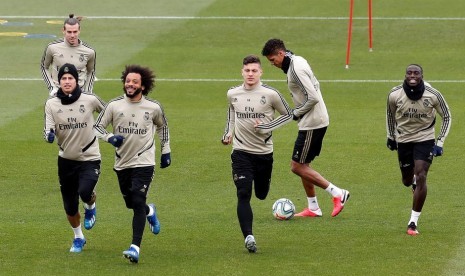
pixel 135 179
pixel 248 168
pixel 409 152
pixel 77 179
pixel 308 145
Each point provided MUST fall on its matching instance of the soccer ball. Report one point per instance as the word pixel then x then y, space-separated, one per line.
pixel 283 209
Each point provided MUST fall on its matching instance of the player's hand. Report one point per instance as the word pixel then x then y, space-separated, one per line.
pixel 257 129
pixel 51 136
pixel 226 140
pixel 437 150
pixel 294 117
pixel 116 140
pixel 165 160
pixel 257 122
pixel 391 144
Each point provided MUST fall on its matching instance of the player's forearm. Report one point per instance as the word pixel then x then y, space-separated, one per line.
pixel 102 133
pixel 276 123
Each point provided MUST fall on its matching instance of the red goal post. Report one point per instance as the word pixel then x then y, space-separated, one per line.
pixel 370 30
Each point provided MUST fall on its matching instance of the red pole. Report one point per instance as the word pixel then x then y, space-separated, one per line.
pixel 349 38
pixel 370 27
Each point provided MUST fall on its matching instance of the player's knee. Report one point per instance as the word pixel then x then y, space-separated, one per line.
pixel 261 192
pixel 421 177
pixel 138 200
pixel 87 197
pixel 71 209
pixel 127 201
pixel 296 168
pixel 244 194
pixel 407 182
pixel 86 191
pixel 261 196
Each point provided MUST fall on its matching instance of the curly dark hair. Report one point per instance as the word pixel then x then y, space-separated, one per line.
pixel 147 76
pixel 272 46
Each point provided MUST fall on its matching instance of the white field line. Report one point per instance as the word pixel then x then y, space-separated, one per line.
pixel 234 17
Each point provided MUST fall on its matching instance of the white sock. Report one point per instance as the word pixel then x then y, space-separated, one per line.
pixel 135 247
pixel 414 217
pixel 151 211
pixel 89 207
pixel 78 232
pixel 334 190
pixel 313 203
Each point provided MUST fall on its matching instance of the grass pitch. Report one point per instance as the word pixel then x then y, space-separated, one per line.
pixel 196 48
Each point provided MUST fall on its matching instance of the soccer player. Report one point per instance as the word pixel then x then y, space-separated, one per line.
pixel 410 123
pixel 69 118
pixel 250 121
pixel 69 49
pixel 135 119
pixel 313 120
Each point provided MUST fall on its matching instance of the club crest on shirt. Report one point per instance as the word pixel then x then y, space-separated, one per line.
pixel 426 103
pixel 146 116
pixel 82 58
pixel 82 109
pixel 263 100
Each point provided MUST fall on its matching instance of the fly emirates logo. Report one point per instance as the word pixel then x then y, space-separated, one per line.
pixel 413 113
pixel 72 124
pixel 250 114
pixel 132 129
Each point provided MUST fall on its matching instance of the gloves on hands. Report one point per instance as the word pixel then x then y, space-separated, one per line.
pixel 391 144
pixel 437 150
pixel 51 136
pixel 165 160
pixel 116 140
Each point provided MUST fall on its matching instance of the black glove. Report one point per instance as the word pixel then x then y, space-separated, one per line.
pixel 165 160
pixel 116 140
pixel 51 136
pixel 437 151
pixel 391 144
